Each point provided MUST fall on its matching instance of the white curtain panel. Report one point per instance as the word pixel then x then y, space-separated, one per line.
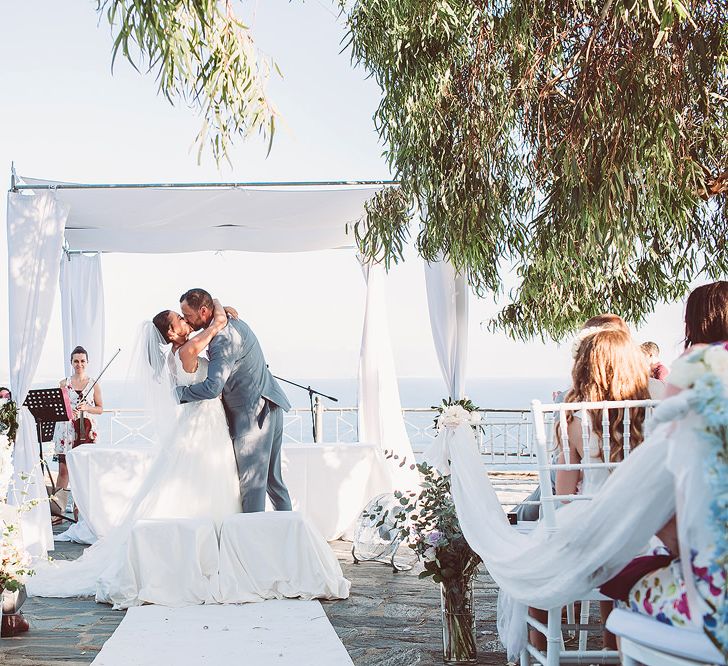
pixel 35 240
pixel 447 299
pixel 593 540
pixel 380 411
pixel 82 309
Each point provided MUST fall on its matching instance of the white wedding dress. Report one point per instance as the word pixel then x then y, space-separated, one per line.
pixel 194 475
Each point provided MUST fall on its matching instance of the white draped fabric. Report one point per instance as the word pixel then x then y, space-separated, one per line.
pixel 35 238
pixel 380 411
pixel 447 299
pixel 162 220
pixel 82 308
pixel 593 540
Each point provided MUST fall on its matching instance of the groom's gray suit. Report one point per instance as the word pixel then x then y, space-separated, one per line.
pixel 254 404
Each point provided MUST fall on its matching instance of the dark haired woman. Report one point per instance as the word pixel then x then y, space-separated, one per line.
pixel 86 406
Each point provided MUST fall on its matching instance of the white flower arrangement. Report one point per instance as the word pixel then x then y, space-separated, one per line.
pixel 582 335
pixel 689 368
pixel 14 561
pixel 454 413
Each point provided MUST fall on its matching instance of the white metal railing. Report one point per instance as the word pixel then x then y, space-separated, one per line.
pixel 505 436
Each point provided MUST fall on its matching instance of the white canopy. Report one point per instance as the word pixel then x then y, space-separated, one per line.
pixel 153 219
pixel 255 219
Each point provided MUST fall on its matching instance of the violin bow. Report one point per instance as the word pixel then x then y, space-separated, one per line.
pixel 91 388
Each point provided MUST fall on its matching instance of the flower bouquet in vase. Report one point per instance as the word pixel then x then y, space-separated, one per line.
pixel 430 525
pixel 15 562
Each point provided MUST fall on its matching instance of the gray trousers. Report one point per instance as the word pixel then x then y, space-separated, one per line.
pixel 258 454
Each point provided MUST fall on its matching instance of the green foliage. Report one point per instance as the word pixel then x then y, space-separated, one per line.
pixel 584 142
pixel 382 234
pixel 8 418
pixel 429 523
pixel 203 56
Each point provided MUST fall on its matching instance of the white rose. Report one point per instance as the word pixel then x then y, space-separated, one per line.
pixel 686 370
pixel 716 358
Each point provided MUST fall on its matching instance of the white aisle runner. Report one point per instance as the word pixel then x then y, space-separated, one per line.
pixel 281 632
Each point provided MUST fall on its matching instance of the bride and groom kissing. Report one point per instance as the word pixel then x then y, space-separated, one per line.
pixel 252 400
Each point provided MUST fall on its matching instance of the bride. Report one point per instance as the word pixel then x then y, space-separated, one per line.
pixel 193 475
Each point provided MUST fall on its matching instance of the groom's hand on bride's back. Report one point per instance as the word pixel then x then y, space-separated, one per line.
pixel 231 311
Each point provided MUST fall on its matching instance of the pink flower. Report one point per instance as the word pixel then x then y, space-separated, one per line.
pixel 681 606
pixel 647 603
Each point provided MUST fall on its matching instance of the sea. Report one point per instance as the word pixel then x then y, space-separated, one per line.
pixel 415 392
pixel 490 393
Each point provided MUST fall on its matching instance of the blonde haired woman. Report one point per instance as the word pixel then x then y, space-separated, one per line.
pixel 607 366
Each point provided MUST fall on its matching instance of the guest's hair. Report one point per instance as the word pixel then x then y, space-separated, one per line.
pixel 607 320
pixel 706 314
pixel 609 366
pixel 79 350
pixel 650 348
pixel 161 321
pixel 197 298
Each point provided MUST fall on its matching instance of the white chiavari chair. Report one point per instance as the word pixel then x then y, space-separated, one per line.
pixel 545 418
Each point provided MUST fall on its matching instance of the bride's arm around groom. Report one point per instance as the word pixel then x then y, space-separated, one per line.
pixel 254 403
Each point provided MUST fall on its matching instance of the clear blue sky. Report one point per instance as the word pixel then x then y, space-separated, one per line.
pixel 64 116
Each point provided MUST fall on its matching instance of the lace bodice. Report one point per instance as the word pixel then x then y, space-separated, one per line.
pixel 183 378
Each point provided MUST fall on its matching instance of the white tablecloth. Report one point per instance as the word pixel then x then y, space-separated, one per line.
pixel 329 483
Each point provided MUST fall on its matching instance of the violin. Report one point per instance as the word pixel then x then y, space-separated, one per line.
pixel 83 428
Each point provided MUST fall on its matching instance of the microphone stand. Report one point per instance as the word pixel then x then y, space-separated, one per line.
pixel 311 393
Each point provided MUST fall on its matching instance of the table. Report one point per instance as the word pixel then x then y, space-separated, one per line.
pixel 329 483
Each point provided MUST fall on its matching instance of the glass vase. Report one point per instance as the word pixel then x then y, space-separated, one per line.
pixel 458 621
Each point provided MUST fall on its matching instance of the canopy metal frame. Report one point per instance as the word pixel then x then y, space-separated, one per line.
pixel 15 186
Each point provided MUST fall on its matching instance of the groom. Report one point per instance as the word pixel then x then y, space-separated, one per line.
pixel 253 400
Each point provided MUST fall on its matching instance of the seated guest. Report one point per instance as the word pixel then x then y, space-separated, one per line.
pixel 670 593
pixel 82 429
pixel 607 366
pixel 658 370
pixel 606 321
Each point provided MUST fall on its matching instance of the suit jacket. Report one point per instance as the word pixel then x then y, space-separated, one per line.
pixel 238 370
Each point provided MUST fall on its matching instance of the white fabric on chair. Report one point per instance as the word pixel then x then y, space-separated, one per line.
pixel 329 483
pixel 447 300
pixel 82 308
pixel 168 562
pixel 35 240
pixel 380 411
pixel 276 555
pixel 689 643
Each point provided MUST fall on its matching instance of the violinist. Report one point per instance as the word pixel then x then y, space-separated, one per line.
pixel 86 403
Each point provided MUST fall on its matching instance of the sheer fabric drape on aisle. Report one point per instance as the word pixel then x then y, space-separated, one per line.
pixel 593 540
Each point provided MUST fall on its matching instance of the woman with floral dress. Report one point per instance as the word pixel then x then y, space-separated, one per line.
pixel 692 589
pixel 83 403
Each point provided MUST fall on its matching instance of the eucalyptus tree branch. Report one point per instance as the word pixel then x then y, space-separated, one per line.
pixel 202 55
pixel 565 139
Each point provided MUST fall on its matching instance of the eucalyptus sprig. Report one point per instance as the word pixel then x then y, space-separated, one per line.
pixel 202 55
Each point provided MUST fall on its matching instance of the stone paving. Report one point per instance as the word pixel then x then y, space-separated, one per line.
pixel 390 619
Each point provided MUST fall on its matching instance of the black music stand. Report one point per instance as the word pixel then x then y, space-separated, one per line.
pixel 48 407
